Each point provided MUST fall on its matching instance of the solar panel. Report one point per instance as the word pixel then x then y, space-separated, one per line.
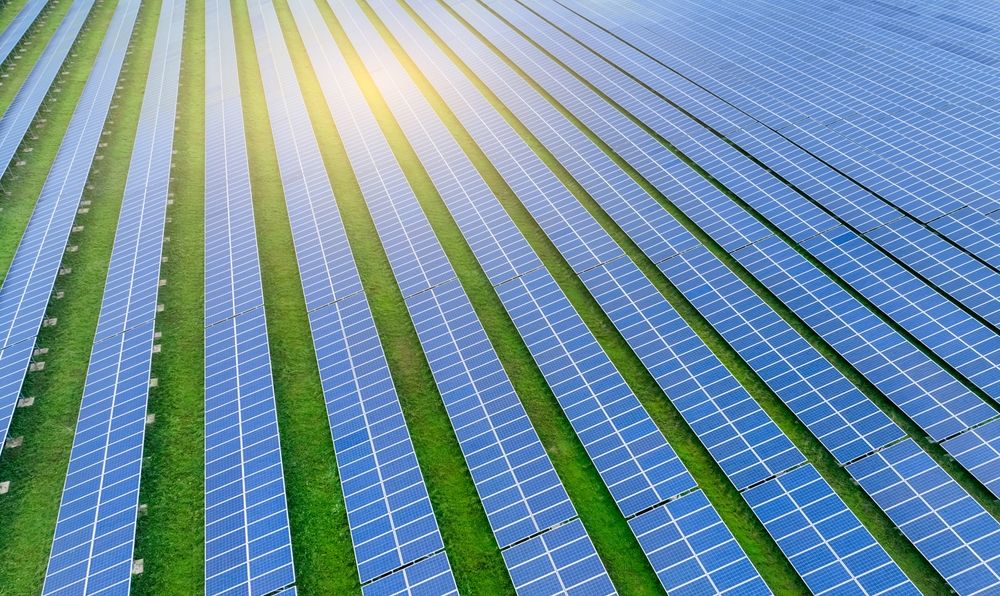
pixel 959 538
pixel 429 577
pixel 764 450
pixel 745 442
pixel 692 550
pixel 973 232
pixel 822 538
pixel 518 487
pixel 24 107
pixel 93 543
pixel 18 26
pixel 628 450
pixel 247 538
pixel 949 332
pixel 936 401
pixel 247 541
pixel 834 410
pixel 26 288
pixel 388 509
pixel 560 561
pixel 978 450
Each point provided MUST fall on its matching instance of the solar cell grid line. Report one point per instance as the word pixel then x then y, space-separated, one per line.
pixel 560 561
pixel 247 536
pixel 840 195
pixel 978 451
pixel 616 285
pixel 95 529
pixel 95 532
pixel 942 325
pixel 845 441
pixel 692 551
pixel 16 29
pixel 784 207
pixel 581 376
pixel 953 531
pixel 925 197
pixel 519 489
pixel 897 186
pixel 26 288
pixel 928 395
pixel 429 577
pixel 388 508
pixel 634 459
pixel 961 341
pixel 843 95
pixel 21 111
pixel 824 541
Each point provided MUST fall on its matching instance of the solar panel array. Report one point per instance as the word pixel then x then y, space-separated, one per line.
pixel 28 283
pixel 392 524
pixel 95 529
pixel 803 194
pixel 12 35
pixel 520 491
pixel 18 116
pixel 636 463
pixel 248 546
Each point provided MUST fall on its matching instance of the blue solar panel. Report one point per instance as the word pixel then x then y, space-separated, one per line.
pixel 18 26
pixel 247 540
pixel 964 278
pixel 622 290
pixel 973 232
pixel 560 561
pixel 822 538
pixel 745 442
pixel 26 288
pixel 949 332
pixel 834 410
pixel 959 538
pixel 429 577
pixel 932 398
pixel 93 544
pixel 692 550
pixel 978 450
pixel 95 530
pixel 24 107
pixel 388 509
pixel 518 487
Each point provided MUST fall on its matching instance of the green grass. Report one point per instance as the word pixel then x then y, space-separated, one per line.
pixel 170 537
pixel 37 469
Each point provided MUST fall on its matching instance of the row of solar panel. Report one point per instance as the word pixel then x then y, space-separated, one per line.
pixel 24 294
pixel 15 31
pixel 397 544
pixel 248 546
pixel 630 453
pixel 533 521
pixel 95 532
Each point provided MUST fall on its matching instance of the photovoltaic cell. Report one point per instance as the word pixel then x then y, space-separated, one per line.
pixel 822 539
pixel 429 577
pixel 15 30
pixel 978 450
pixel 560 561
pixel 692 551
pixel 959 538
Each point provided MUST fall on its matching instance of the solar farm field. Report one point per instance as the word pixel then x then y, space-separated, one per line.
pixel 530 297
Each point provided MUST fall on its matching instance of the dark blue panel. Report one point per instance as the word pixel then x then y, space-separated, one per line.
pixel 560 561
pixel 429 577
pixel 978 450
